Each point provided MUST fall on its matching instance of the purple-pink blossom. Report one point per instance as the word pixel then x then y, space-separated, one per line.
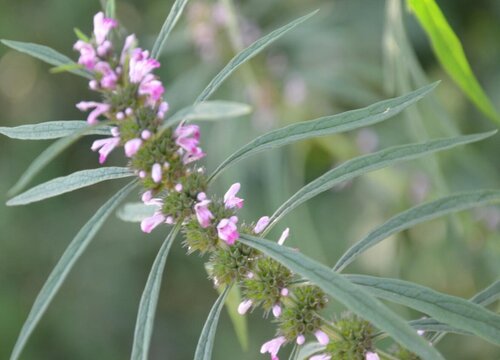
pixel 273 347
pixel 102 26
pixel 244 306
pixel 99 109
pixel 88 56
pixel 140 65
pixel 322 337
pixel 148 224
pixel 301 339
pixel 228 231
pixel 108 76
pixel 203 214
pixel 261 224
pixel 156 173
pixel 152 88
pixel 132 146
pixel 371 356
pixel 105 146
pixel 230 198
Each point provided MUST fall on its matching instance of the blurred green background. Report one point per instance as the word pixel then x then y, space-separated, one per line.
pixel 337 61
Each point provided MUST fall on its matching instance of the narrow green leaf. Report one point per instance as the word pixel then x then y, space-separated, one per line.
pixel 352 296
pixel 363 164
pixel 149 300
pixel 80 35
pixel 64 184
pixel 308 350
pixel 489 295
pixel 239 322
pixel 327 125
pixel 111 9
pixel 46 54
pixel 65 68
pixel 167 27
pixel 247 54
pixel 450 53
pixel 135 212
pixel 52 130
pixel 451 310
pixel 64 265
pixel 416 215
pixel 435 326
pixel 208 111
pixel 207 337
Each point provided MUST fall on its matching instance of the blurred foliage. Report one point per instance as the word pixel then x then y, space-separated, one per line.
pixel 335 62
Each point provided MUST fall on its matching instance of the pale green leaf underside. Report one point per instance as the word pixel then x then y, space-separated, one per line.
pixel 308 350
pixel 417 215
pixel 46 54
pixel 135 212
pixel 69 183
pixel 149 300
pixel 488 296
pixel 239 322
pixel 167 27
pixel 64 265
pixel 208 111
pixel 111 9
pixel 352 296
pixel 327 125
pixel 450 53
pixel 451 310
pixel 363 164
pixel 207 337
pixel 52 130
pixel 247 54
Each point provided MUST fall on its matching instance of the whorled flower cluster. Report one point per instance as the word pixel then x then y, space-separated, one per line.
pixel 165 162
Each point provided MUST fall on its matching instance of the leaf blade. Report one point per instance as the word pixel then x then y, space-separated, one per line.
pixel 52 130
pixel 64 265
pixel 247 54
pixel 207 336
pixel 168 25
pixel 149 300
pixel 350 295
pixel 64 184
pixel 416 215
pixel 327 125
pixel 45 54
pixel 135 212
pixel 363 164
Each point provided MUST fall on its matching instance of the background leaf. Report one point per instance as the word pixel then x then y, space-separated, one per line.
pixel 69 183
pixel 135 212
pixel 167 27
pixel 52 130
pixel 65 264
pixel 450 53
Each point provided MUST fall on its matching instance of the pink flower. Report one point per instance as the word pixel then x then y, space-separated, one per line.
pixel 147 196
pixel 99 109
pixel 300 339
pixel 273 346
pixel 244 306
pixel 130 42
pixel 261 224
pixel 371 356
pixel 162 109
pixel 152 88
pixel 132 146
pixel 156 173
pixel 284 292
pixel 88 57
pixel 193 156
pixel 140 65
pixel 187 137
pixel 105 146
pixel 322 337
pixel 228 231
pixel 230 199
pixel 104 48
pixel 102 26
pixel 203 214
pixel 284 236
pixel 148 224
pixel 109 78
pixel 277 310
pixel 320 357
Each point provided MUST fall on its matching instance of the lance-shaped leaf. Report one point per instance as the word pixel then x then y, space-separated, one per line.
pixel 363 164
pixel 52 130
pixel 417 215
pixel 239 322
pixel 65 264
pixel 435 326
pixel 488 296
pixel 149 300
pixel 208 111
pixel 167 27
pixel 207 337
pixel 451 310
pixel 135 212
pixel 46 54
pixel 69 183
pixel 110 9
pixel 327 125
pixel 450 53
pixel 351 296
pixel 247 54
pixel 309 349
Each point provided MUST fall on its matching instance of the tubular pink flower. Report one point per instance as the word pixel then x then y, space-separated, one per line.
pixel 185 131
pixel 300 339
pixel 371 356
pixel 147 196
pixel 273 346
pixel 228 231
pixel 244 306
pixel 261 224
pixel 162 109
pixel 104 48
pixel 99 109
pixel 203 214
pixel 132 146
pixel 88 56
pixel 284 236
pixel 322 337
pixel 152 88
pixel 320 357
pixel 230 199
pixel 102 26
pixel 109 78
pixel 140 65
pixel 193 156
pixel 277 310
pixel 156 173
pixel 284 292
pixel 148 224
pixel 130 43
pixel 105 146
pixel 146 134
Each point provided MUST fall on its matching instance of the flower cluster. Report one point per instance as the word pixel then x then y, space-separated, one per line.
pixel 164 160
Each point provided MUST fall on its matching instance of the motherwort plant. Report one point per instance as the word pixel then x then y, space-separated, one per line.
pixel 165 160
